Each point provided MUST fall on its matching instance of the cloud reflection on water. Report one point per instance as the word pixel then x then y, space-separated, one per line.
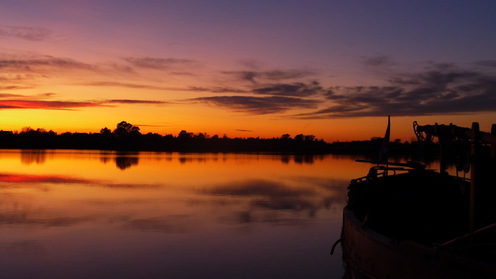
pixel 274 202
pixel 241 202
pixel 8 180
pixel 168 207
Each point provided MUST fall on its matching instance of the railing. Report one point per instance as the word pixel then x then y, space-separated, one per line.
pixel 469 235
pixel 375 174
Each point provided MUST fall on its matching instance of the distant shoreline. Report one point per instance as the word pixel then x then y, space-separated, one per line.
pixel 144 143
pixel 127 137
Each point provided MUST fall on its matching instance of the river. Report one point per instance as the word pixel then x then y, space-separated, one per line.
pixel 103 214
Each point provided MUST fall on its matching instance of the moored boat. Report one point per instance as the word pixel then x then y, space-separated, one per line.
pixel 405 221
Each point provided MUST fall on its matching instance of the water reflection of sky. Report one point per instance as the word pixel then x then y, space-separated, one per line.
pixel 92 214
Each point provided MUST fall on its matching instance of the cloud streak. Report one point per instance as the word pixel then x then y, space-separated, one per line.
pixel 128 85
pixel 25 33
pixel 217 89
pixel 441 89
pixel 47 105
pixel 157 63
pixel 297 89
pixel 14 87
pixel 18 101
pixel 132 101
pixel 45 62
pixel 377 61
pixel 258 105
pixel 272 75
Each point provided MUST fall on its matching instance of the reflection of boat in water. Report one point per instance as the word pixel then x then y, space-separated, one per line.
pixel 404 221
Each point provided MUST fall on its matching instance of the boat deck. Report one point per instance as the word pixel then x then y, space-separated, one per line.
pixel 406 219
pixel 425 207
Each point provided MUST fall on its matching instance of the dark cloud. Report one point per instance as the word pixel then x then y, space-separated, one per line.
pixel 123 185
pixel 132 101
pixel 128 85
pixel 158 63
pixel 216 89
pixel 25 32
pixel 47 105
pixel 41 95
pixel 297 89
pixel 14 77
pixel 486 63
pixel 273 75
pixel 18 101
pixel 14 87
pixel 285 74
pixel 12 80
pixel 244 130
pixel 9 95
pixel 40 63
pixel 258 105
pixel 376 61
pixel 441 89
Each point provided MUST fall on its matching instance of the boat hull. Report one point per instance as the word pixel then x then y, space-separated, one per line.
pixel 368 254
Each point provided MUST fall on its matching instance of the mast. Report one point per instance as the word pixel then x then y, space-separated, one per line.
pixel 384 153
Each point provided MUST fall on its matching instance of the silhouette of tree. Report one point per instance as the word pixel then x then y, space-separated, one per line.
pixel 125 129
pixel 128 137
pixel 309 138
pixel 105 131
pixel 185 135
pixel 299 137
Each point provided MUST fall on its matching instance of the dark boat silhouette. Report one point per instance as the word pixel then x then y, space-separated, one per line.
pixel 405 221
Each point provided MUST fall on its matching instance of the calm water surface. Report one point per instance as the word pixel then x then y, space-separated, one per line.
pixel 96 214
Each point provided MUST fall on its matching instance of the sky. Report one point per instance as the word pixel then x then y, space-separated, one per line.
pixel 334 69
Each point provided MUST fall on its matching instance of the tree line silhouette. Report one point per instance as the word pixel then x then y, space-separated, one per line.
pixel 128 137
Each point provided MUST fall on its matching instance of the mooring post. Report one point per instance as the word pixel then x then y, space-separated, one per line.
pixel 474 174
pixel 493 145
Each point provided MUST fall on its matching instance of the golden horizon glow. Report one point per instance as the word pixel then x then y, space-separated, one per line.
pixel 71 68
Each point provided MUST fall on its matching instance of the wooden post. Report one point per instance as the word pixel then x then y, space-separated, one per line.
pixel 442 154
pixel 493 145
pixel 474 174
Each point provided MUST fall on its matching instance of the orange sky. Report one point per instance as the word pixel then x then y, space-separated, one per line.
pixel 165 68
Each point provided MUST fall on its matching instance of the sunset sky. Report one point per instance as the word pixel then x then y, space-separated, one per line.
pixel 334 69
